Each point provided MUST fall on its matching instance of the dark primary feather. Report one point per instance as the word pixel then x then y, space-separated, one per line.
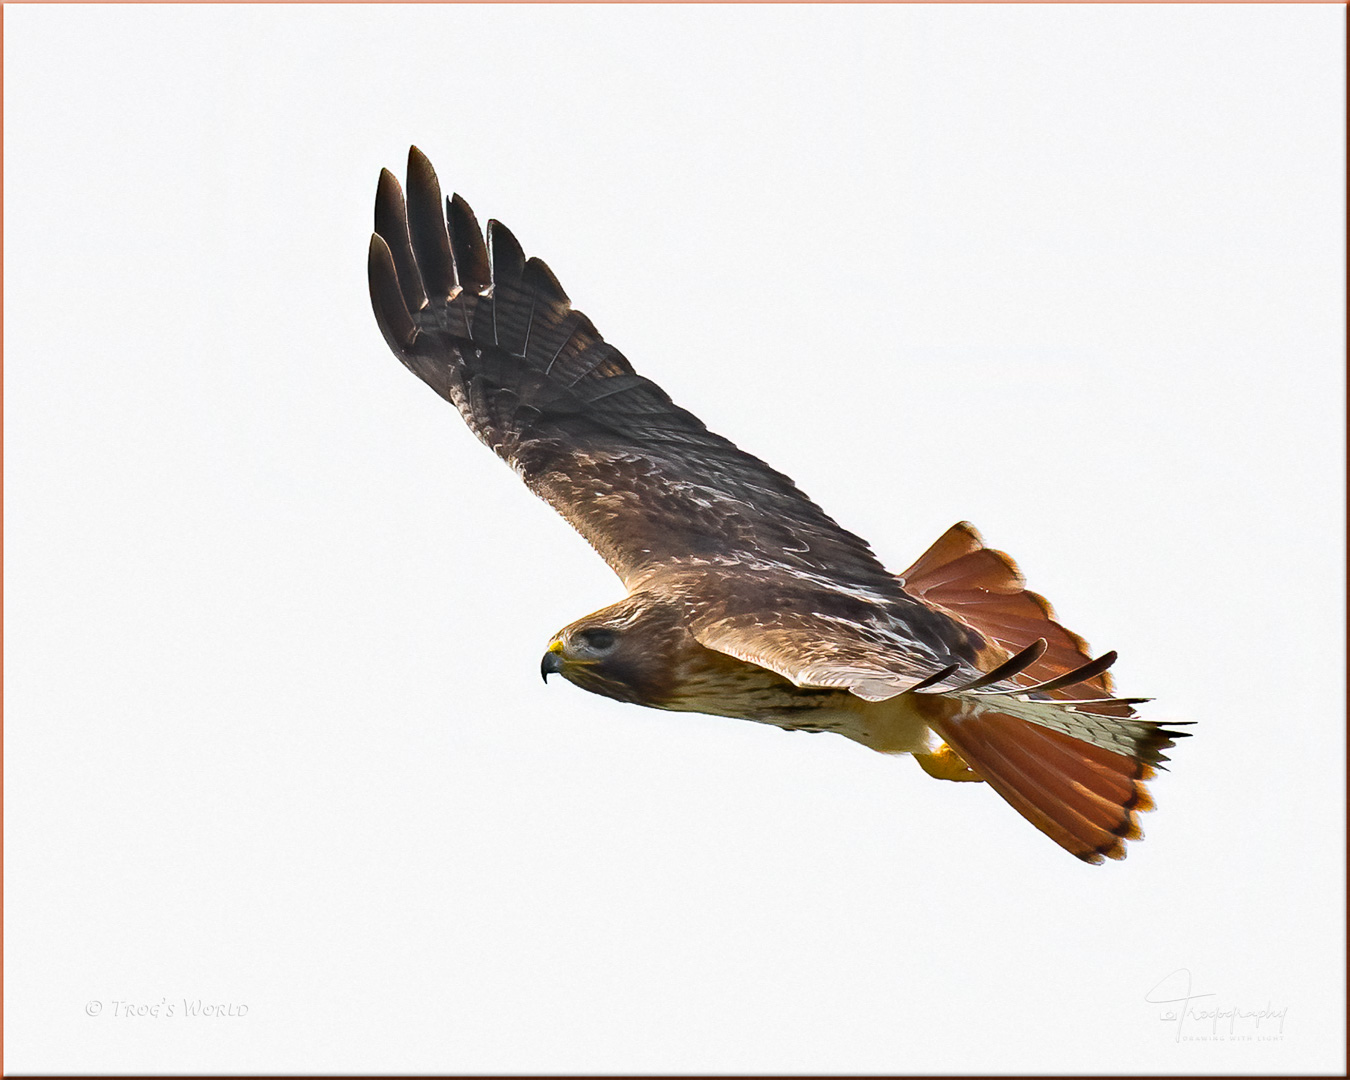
pixel 641 478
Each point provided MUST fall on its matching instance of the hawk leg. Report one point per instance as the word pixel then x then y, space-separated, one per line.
pixel 944 763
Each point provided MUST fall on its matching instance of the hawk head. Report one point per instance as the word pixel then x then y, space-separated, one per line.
pixel 630 651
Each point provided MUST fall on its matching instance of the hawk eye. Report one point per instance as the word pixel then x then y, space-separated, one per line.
pixel 597 639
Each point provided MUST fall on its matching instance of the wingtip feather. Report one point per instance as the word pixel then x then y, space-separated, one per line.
pixel 386 298
pixel 505 254
pixel 466 241
pixel 426 227
pixel 391 225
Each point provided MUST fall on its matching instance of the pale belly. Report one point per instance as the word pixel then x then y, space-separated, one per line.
pixel 746 692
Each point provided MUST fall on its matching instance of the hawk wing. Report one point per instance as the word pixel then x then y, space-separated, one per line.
pixel 651 488
pixel 643 480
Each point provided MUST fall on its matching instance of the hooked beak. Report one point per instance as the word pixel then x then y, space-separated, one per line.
pixel 552 662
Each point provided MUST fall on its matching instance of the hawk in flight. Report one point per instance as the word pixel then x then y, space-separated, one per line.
pixel 744 598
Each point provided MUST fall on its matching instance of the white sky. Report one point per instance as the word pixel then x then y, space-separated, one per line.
pixel 276 736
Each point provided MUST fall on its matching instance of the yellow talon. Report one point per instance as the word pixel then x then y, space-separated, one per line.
pixel 944 763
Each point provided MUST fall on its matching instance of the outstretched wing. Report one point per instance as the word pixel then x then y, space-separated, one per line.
pixel 640 478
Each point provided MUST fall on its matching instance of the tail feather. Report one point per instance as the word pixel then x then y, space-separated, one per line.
pixel 1084 797
pixel 1104 800
pixel 1034 791
pixel 983 589
pixel 1116 786
pixel 1090 815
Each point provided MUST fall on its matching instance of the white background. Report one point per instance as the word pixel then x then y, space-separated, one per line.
pixel 276 736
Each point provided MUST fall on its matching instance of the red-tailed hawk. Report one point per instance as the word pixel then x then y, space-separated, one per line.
pixel 744 598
